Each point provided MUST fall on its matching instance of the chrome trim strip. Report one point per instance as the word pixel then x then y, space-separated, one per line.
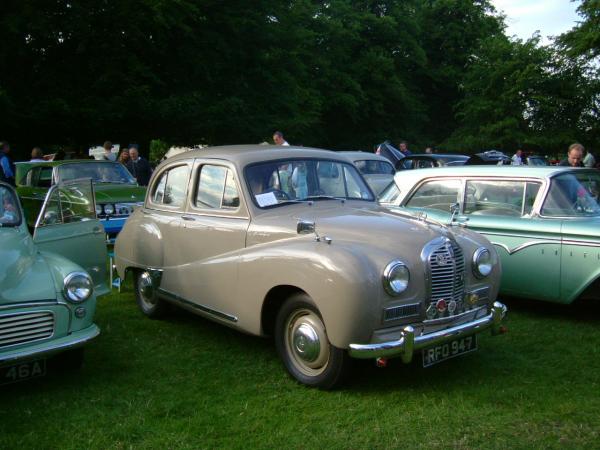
pixel 55 347
pixel 213 312
pixel 508 234
pixel 408 343
pixel 581 243
pixel 522 246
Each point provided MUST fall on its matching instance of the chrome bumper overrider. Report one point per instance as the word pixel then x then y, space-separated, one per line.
pixel 408 344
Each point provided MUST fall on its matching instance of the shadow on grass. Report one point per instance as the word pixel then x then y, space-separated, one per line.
pixel 580 310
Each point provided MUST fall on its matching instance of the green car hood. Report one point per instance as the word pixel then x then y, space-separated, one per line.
pixel 119 193
pixel 24 274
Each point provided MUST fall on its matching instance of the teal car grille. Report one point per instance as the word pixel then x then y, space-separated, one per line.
pixel 21 328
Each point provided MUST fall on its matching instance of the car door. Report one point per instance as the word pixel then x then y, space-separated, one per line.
pixel 208 243
pixel 67 225
pixel 529 246
pixel 33 190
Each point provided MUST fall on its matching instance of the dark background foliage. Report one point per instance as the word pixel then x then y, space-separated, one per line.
pixel 341 74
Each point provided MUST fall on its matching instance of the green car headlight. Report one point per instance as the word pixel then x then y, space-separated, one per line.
pixel 395 278
pixel 109 209
pixel 482 262
pixel 78 287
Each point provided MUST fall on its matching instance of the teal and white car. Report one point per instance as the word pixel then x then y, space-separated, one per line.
pixel 49 282
pixel 543 221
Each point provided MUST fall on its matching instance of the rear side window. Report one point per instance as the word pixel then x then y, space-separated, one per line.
pixel 436 194
pixel 500 198
pixel 216 188
pixel 171 187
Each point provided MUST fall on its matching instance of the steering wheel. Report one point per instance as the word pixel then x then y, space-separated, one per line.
pixel 279 194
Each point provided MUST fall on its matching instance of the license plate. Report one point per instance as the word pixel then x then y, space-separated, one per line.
pixel 442 352
pixel 22 371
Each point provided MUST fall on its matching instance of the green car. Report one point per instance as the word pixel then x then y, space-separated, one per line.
pixel 116 191
pixel 49 281
pixel 543 221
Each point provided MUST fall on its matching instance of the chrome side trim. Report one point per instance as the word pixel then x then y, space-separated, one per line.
pixel 581 243
pixel 523 246
pixel 408 343
pixel 213 312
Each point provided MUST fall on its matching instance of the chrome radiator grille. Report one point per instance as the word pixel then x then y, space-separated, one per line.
pixel 447 275
pixel 25 327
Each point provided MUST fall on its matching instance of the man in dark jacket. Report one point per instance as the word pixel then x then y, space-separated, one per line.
pixel 7 167
pixel 574 156
pixel 138 166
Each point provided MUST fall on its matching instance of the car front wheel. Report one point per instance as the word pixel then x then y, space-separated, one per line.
pixel 146 297
pixel 303 345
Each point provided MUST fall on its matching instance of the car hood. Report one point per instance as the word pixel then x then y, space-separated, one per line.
pixel 121 193
pixel 24 274
pixel 367 224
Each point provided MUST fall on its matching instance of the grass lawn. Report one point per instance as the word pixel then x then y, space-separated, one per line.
pixel 185 382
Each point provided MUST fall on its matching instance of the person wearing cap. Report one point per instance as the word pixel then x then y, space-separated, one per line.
pixel 108 154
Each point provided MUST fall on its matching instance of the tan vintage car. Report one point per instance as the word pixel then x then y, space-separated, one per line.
pixel 289 242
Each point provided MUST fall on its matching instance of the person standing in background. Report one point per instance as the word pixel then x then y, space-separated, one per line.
pixel 589 160
pixel 574 156
pixel 108 154
pixel 124 157
pixel 138 166
pixel 404 148
pixel 7 167
pixel 517 158
pixel 37 155
pixel 279 140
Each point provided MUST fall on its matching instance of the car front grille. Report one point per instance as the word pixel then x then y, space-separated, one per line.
pixel 447 278
pixel 21 328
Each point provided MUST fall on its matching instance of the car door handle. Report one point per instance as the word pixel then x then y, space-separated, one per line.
pixel 189 218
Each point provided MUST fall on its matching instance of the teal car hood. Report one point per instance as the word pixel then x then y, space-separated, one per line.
pixel 119 193
pixel 24 275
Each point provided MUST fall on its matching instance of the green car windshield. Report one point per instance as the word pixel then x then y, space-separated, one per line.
pixel 573 194
pixel 9 208
pixel 99 172
pixel 278 182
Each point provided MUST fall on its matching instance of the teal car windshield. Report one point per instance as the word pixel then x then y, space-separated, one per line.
pixel 573 194
pixel 278 182
pixel 9 209
pixel 99 172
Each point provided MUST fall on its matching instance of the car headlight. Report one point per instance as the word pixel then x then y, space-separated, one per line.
pixel 78 286
pixel 109 209
pixel 396 277
pixel 99 210
pixel 482 262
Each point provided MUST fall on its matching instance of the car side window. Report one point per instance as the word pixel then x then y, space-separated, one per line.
pixel 500 198
pixel 45 177
pixel 171 187
pixel 68 204
pixel 216 188
pixel 436 194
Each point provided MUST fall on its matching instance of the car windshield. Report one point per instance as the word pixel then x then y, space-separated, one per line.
pixel 9 208
pixel 574 194
pixel 99 172
pixel 277 182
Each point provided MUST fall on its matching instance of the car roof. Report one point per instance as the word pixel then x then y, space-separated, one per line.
pixel 438 156
pixel 28 164
pixel 245 154
pixel 359 155
pixel 412 176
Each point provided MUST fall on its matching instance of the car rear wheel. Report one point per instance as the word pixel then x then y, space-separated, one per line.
pixel 303 345
pixel 146 297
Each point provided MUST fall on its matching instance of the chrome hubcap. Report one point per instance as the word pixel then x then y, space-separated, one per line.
pixel 146 289
pixel 306 342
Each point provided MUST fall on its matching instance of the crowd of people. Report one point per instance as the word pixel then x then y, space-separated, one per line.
pixel 141 169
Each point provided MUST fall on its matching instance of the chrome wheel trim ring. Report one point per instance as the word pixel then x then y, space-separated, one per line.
pixel 306 342
pixel 146 291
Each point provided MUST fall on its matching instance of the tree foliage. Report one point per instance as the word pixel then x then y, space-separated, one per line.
pixel 343 74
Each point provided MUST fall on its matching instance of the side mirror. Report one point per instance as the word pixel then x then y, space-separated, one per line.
pixel 305 227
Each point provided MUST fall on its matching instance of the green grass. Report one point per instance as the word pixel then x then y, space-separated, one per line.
pixel 185 382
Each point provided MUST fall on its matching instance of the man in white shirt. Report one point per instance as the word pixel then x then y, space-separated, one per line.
pixel 278 139
pixel 517 158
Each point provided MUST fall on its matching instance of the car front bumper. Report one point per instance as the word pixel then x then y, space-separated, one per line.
pixel 50 346
pixel 408 344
